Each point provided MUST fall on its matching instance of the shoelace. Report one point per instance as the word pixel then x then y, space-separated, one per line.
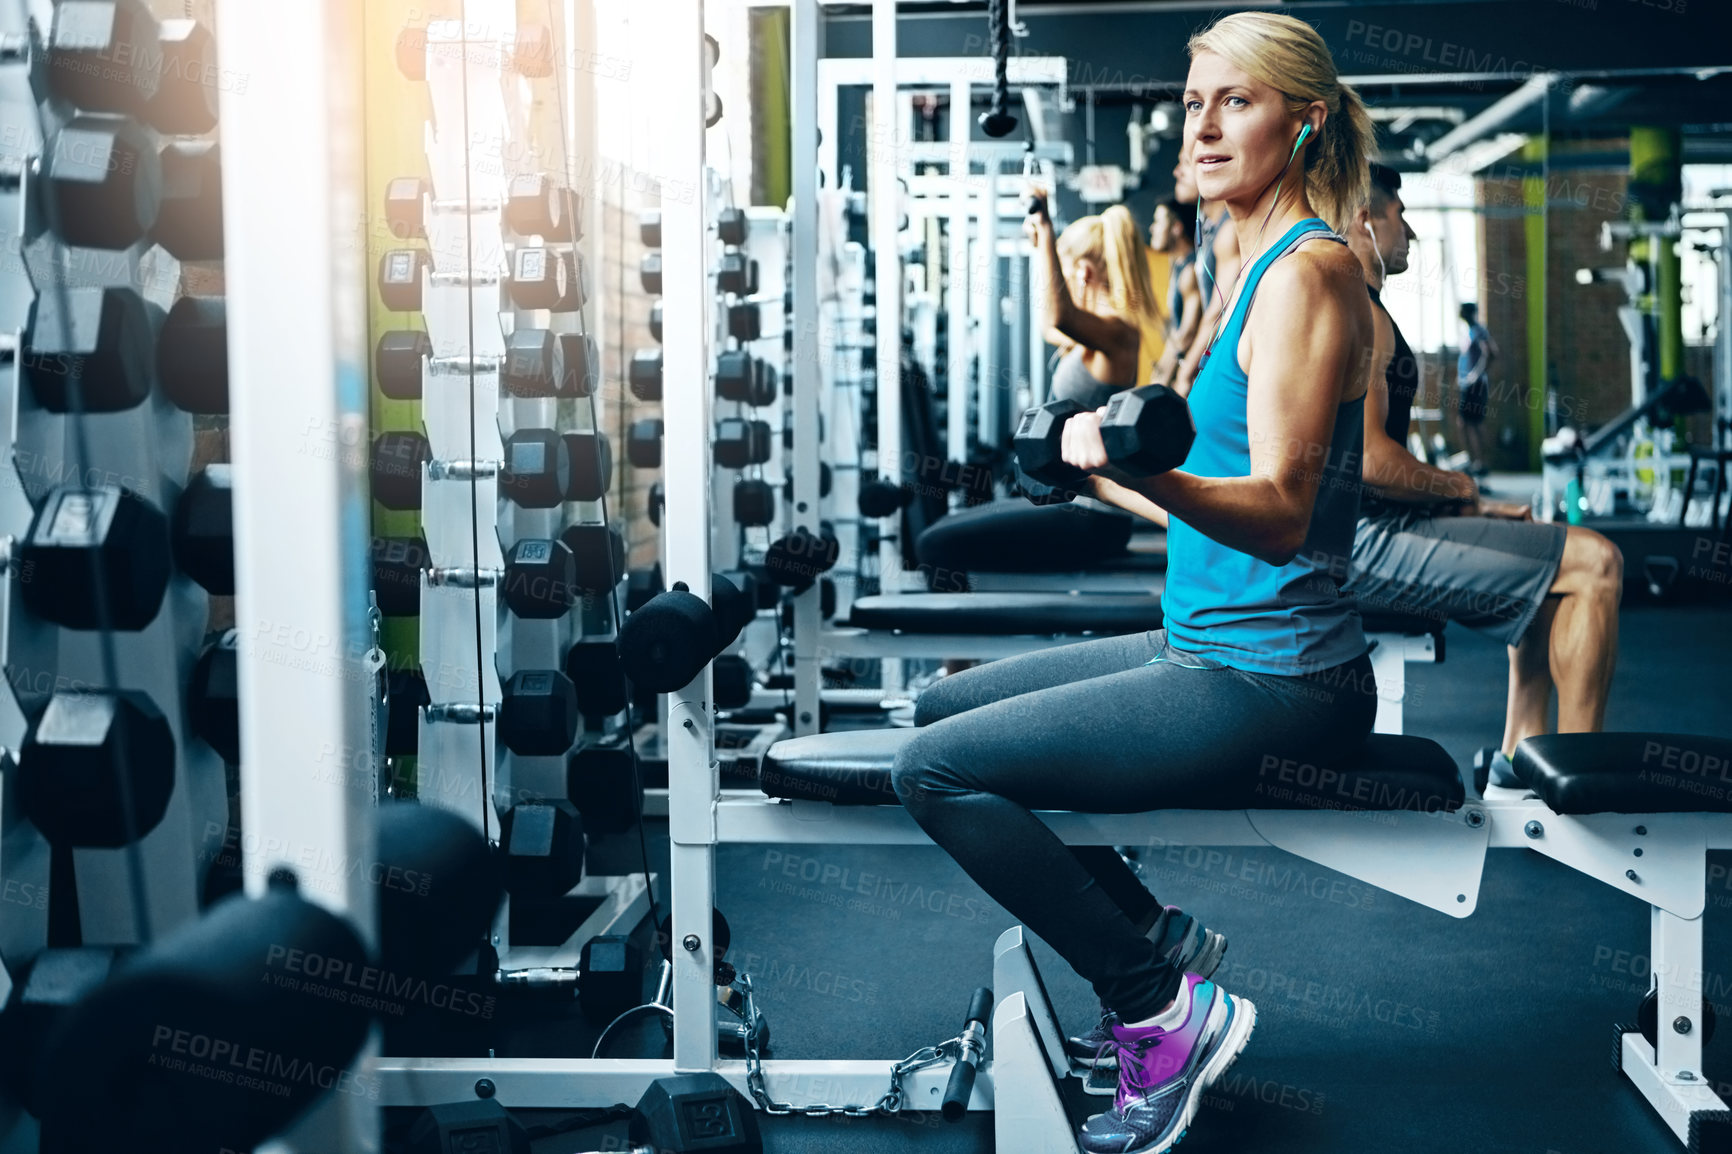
pixel 1132 1072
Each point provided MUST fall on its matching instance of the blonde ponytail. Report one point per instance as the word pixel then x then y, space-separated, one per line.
pixel 1115 244
pixel 1288 55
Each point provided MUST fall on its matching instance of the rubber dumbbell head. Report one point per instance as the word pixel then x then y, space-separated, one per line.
pixel 649 229
pixel 534 363
pixel 535 206
pixel 69 768
pixel 204 530
pixel 400 278
pixel 754 502
pixel 1042 471
pixel 405 207
pixel 540 581
pixel 213 698
pixel 543 842
pixel 397 566
pixel 736 375
pixel 582 365
pixel 536 470
pixel 548 278
pixel 396 465
pixel 591 463
pixel 399 360
pixel 643 446
pixel 105 527
pixel 645 374
pixel 99 341
pixel 731 226
pixel 593 668
pixel 1147 430
pixel 189 221
pixel 598 552
pixel 192 355
pixel 103 180
pixel 538 713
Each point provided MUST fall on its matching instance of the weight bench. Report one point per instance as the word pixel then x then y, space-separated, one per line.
pixel 1638 811
pixel 987 626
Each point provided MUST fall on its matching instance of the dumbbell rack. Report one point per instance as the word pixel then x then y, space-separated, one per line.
pixel 467 638
pixel 147 449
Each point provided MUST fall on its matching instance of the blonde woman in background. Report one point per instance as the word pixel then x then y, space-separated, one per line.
pixel 1093 284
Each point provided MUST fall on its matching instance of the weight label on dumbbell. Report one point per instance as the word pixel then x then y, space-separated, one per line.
pixel 710 1119
pixel 77 519
pixel 533 552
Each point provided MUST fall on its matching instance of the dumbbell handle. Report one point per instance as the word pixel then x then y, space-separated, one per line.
pixel 463 365
pixel 463 712
pixel 465 577
pixel 463 470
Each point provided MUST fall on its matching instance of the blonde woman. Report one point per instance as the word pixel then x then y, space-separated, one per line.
pixel 1097 301
pixel 1262 655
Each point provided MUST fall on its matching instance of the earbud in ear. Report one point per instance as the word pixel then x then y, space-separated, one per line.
pixel 1365 224
pixel 1304 131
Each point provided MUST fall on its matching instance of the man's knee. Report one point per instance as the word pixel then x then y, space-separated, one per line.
pixel 1593 559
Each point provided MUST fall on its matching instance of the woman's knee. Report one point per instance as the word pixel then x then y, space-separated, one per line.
pixel 917 773
pixel 938 701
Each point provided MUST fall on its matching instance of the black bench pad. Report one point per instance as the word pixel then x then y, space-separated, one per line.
pixel 1009 614
pixel 1580 773
pixel 1392 772
pixel 1017 537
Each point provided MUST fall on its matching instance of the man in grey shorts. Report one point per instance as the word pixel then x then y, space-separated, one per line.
pixel 1429 544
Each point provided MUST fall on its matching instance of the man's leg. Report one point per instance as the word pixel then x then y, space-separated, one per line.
pixel 1584 633
pixel 1529 711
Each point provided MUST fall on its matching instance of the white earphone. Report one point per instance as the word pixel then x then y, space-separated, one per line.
pixel 1383 269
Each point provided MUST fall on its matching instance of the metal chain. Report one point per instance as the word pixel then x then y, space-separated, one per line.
pixel 890 1103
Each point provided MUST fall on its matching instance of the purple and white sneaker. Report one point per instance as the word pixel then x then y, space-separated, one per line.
pixel 1163 1074
pixel 1188 945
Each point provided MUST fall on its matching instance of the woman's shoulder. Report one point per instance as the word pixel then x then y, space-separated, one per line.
pixel 1320 268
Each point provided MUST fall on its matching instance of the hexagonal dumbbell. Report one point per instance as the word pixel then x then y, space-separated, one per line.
pixel 731 226
pixel 536 205
pixel 213 698
pixel 70 768
pixel 754 502
pixel 649 272
pixel 736 273
pixel 189 222
pixel 599 555
pixel 736 375
pixel 112 56
pixel 1147 430
pixel 540 579
pixel 399 361
pixel 645 374
pixel 1042 473
pixel 98 341
pixel 536 471
pixel 655 319
pixel 649 229
pixel 534 364
pixel 203 530
pixel 395 466
pixel 102 177
pixel 192 355
pixel 401 273
pixel 538 713
pixel 643 443
pixel 548 278
pixel 406 207
pixel 582 364
pixel 544 846
pixel 398 563
pixel 745 322
pixel 740 443
pixel 104 528
pixel 591 456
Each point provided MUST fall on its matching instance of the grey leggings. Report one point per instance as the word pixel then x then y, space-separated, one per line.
pixel 1119 725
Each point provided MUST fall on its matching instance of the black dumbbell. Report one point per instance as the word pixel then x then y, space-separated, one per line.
pixel 593 667
pixel 740 443
pixel 213 701
pixel 598 552
pixel 591 456
pixel 192 355
pixel 395 466
pixel 649 229
pixel 399 360
pixel 582 364
pixel 540 579
pixel 535 205
pixel 737 274
pixel 102 177
pixel 405 207
pixel 1145 431
pixel 754 502
pixel 203 532
pixel 643 445
pixel 655 319
pixel 129 538
pixel 745 322
pixel 189 222
pixel 398 563
pixel 536 470
pixel 400 278
pixel 731 225
pixel 112 56
pixel 538 713
pixel 645 374
pixel 72 759
pixel 649 272
pixel 765 386
pixel 882 498
pixel 99 341
pixel 534 364
pixel 549 278
pixel 654 502
pixel 543 843
pixel 737 373
pixel 795 560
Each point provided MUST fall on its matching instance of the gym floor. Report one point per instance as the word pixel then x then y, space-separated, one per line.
pixel 1377 1017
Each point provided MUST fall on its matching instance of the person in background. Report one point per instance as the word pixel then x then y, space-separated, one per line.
pixel 1174 223
pixel 1473 381
pixel 1428 543
pixel 1093 283
pixel 1217 267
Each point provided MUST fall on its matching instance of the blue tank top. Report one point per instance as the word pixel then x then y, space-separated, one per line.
pixel 1290 619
